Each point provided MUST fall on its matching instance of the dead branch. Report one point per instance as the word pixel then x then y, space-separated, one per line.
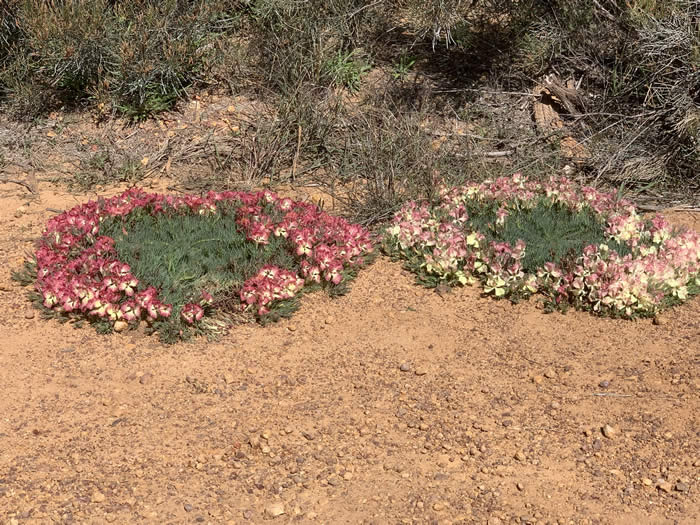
pixel 21 183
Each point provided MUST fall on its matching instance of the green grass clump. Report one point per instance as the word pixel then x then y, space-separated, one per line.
pixel 551 232
pixel 184 255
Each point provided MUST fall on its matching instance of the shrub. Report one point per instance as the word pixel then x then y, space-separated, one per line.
pixel 504 234
pixel 141 56
pixel 174 261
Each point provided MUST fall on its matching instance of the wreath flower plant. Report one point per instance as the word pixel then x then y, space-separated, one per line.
pixel 177 261
pixel 574 245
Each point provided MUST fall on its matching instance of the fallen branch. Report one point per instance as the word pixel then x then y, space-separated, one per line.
pixel 493 154
pixel 611 394
pixel 12 181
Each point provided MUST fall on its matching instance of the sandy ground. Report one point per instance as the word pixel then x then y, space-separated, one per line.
pixel 392 404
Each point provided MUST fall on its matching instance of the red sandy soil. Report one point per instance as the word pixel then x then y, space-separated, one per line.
pixel 497 419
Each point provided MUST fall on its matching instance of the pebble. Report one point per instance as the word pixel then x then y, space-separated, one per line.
pixel 308 435
pixel 29 314
pixel 405 367
pixel 120 326
pixel 420 371
pixel 647 482
pixel 228 378
pixel 347 476
pixel 292 328
pixel 275 509
pixel 604 383
pixel 146 378
pixel 608 431
pixel 188 507
pixel 538 380
pixel 98 497
pixel 438 506
pixel 520 456
pixel 550 373
pixel 664 486
pixel 494 521
pixel 520 486
pixel 682 487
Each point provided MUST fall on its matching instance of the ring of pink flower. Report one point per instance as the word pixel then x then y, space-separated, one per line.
pixel 664 263
pixel 79 272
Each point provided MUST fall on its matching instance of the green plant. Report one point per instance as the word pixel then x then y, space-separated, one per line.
pixel 189 257
pixel 576 246
pixel 403 67
pixel 552 232
pixel 182 255
pixel 346 69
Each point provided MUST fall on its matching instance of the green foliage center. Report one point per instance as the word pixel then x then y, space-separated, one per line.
pixel 551 232
pixel 183 255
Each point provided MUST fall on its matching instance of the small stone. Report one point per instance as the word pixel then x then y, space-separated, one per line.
pixel 188 507
pixel 659 321
pixel 120 326
pixel 405 367
pixel 604 383
pixel 550 373
pixel 247 514
pixel 520 486
pixel 308 435
pixel 98 497
pixel 668 435
pixel 20 211
pixel 520 456
pixel 311 515
pixel 682 487
pixel 438 506
pixel 146 378
pixel 347 476
pixel 329 320
pixel 292 328
pixel 275 509
pixel 647 482
pixel 29 314
pixel 443 460
pixel 608 431
pixel 494 521
pixel 664 486
pixel 420 371
pixel 538 380
pixel 228 378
